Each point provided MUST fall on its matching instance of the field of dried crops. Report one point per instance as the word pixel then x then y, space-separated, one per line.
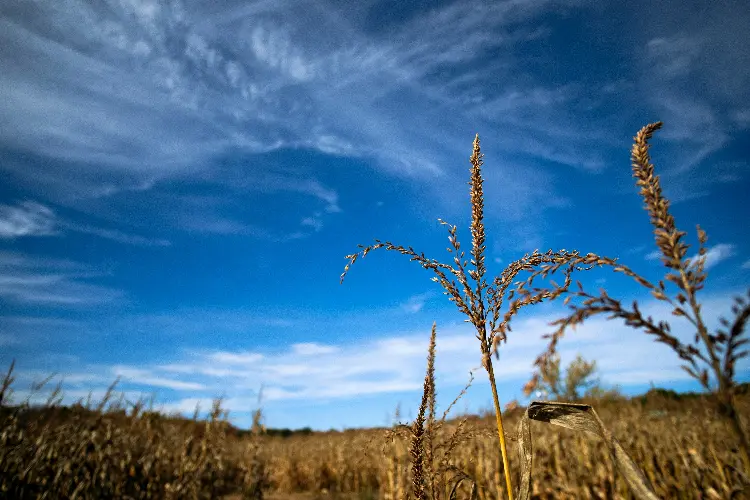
pixel 681 445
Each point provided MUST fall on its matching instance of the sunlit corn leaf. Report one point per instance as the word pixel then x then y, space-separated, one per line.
pixel 578 417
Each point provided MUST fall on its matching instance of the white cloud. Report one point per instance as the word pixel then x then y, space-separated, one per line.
pixel 314 188
pixel 114 235
pixel 39 281
pixel 187 406
pixel 674 56
pixel 714 255
pixel 235 358
pixel 27 219
pixel 312 349
pixel 334 145
pixel 416 303
pixel 35 219
pixel 273 47
pixel 655 255
pixel 746 264
pixel 213 214
pixel 694 78
pixel 718 253
pixel 144 377
pixel 313 222
pixel 693 122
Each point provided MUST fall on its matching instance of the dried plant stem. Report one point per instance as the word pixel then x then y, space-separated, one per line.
pixel 466 285
pixel 479 316
pixel 418 438
pixel 689 280
pixel 688 275
pixel 500 430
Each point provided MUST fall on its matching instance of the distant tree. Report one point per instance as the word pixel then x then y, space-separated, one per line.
pixel 579 377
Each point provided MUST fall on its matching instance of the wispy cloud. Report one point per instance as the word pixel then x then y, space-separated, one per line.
pixel 39 281
pixel 114 235
pixel 714 255
pixel 636 250
pixel 655 255
pixel 144 377
pixel 27 219
pixel 229 358
pixel 674 56
pixel 742 117
pixel 416 303
pixel 150 92
pixel 717 254
pixel 228 215
pixel 198 93
pixel 312 349
pixel 216 224
pixel 692 122
pixel 314 222
pixel 690 84
pixel 200 322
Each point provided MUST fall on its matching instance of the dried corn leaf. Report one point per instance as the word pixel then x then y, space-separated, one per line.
pixel 460 478
pixel 578 417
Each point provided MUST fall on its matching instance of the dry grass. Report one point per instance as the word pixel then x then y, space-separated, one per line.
pixel 112 451
pixel 680 445
pixel 693 448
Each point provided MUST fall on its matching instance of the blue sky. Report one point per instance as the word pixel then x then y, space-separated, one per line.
pixel 182 180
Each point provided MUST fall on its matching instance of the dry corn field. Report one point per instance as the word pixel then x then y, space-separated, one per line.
pixel 608 446
pixel 680 445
